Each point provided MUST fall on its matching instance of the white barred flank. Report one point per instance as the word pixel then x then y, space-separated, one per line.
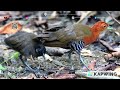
pixel 77 46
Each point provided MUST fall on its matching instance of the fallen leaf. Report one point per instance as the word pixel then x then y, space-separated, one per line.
pixel 47 57
pixel 53 15
pixel 90 66
pixel 11 28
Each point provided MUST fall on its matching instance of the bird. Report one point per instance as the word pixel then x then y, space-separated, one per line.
pixel 74 37
pixel 29 46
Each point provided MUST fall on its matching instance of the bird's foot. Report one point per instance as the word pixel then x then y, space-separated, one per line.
pixel 37 71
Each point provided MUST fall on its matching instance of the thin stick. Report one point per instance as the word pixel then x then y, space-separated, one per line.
pixel 107 45
pixel 112 17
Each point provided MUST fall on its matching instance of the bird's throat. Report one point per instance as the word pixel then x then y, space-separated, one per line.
pixel 93 37
pixel 90 39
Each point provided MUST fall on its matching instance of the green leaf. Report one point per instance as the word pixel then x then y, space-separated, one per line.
pixel 2 68
pixel 15 55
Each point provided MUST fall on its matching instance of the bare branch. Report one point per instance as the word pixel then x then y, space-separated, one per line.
pixel 107 45
pixel 112 17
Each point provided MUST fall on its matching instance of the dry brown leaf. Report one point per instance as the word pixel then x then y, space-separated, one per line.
pixel 11 28
pixel 90 66
pixel 114 54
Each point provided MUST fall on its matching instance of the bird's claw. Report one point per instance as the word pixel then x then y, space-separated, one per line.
pixel 37 71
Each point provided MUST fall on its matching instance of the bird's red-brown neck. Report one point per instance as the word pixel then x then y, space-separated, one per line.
pixel 93 37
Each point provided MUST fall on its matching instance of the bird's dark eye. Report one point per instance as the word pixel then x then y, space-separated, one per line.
pixel 104 26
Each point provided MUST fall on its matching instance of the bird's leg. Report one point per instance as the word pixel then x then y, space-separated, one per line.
pixel 78 46
pixel 25 63
pixel 69 56
pixel 70 60
pixel 81 59
pixel 44 59
pixel 36 72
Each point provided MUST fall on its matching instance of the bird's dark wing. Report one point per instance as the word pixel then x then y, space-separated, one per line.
pixel 22 42
pixel 81 30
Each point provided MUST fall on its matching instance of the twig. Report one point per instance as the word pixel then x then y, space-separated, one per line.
pixel 56 51
pixel 107 45
pixel 63 76
pixel 114 54
pixel 112 17
pixel 105 68
pixel 84 15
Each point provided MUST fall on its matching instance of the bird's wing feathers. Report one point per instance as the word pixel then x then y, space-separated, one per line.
pixel 65 35
pixel 70 32
pixel 82 30
pixel 62 36
pixel 16 42
pixel 58 38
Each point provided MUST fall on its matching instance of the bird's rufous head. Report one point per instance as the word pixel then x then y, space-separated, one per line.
pixel 96 30
pixel 99 26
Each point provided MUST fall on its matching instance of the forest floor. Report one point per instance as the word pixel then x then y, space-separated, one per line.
pixel 93 54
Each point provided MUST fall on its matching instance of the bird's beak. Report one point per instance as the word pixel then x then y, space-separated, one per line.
pixel 110 28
